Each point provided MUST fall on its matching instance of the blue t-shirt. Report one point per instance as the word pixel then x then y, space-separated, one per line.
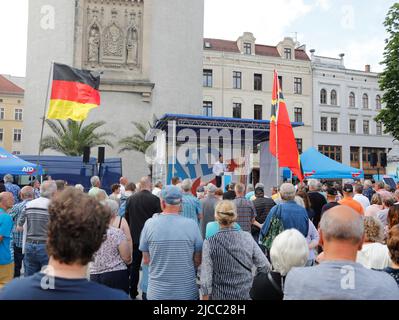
pixel 40 287
pixel 171 241
pixel 213 228
pixel 6 225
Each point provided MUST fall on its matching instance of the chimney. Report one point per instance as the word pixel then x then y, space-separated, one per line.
pixel 367 68
pixel 312 52
pixel 342 55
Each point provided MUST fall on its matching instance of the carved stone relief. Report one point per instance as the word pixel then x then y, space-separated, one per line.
pixel 112 34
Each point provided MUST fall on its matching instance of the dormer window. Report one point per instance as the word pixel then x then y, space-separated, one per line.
pixel 288 53
pixel 247 48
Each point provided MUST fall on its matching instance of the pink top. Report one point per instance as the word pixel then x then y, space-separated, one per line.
pixel 372 210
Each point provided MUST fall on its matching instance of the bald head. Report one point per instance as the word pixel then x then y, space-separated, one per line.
pixel 145 183
pixel 123 181
pixel 6 200
pixel 27 193
pixel 342 223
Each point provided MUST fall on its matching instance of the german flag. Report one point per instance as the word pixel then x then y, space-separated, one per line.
pixel 74 93
pixel 282 140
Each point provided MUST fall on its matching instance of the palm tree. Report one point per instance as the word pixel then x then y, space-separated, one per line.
pixel 137 142
pixel 70 137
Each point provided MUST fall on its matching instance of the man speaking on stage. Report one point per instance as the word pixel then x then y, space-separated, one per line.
pixel 219 168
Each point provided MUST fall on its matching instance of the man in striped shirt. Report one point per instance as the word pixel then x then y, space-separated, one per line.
pixel 36 216
pixel 246 212
pixel 191 206
pixel 171 246
pixel 27 194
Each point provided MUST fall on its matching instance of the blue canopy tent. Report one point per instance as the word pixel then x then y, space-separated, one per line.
pixel 317 166
pixel 10 164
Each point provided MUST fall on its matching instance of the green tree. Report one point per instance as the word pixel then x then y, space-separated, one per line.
pixel 389 79
pixel 136 142
pixel 70 137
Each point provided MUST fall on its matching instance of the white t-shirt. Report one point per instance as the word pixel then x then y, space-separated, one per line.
pixel 364 201
pixel 219 168
pixel 374 256
pixel 157 192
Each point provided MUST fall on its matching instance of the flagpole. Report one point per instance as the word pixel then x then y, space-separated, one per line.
pixel 49 87
pixel 276 124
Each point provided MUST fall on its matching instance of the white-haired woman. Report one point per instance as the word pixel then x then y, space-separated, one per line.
pixel 289 249
pixel 228 258
pixel 374 254
pixel 111 260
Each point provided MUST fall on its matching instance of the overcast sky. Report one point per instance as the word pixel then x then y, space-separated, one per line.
pixel 353 27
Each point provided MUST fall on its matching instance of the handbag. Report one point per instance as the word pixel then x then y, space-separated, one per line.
pixel 264 279
pixel 276 227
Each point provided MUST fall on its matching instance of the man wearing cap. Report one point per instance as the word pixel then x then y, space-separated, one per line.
pixel 230 194
pixel 332 194
pixel 171 246
pixel 348 199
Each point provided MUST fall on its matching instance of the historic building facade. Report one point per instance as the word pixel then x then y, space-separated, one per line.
pixel 238 79
pixel 345 104
pixel 149 54
pixel 11 115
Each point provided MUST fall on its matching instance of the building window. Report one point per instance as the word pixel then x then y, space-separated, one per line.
pixel 247 48
pixel 288 53
pixel 367 154
pixel 258 115
pixel 352 126
pixel 17 135
pixel 18 114
pixel 298 85
pixel 280 80
pixel 333 152
pixel 237 110
pixel 355 154
pixel 334 124
pixel 379 128
pixel 323 96
pixel 299 145
pixel 208 78
pixel 1 113
pixel 323 123
pixel 236 80
pixel 1 134
pixel 365 101
pixel 207 108
pixel 16 153
pixel 378 102
pixel 366 127
pixel 257 82
pixel 298 115
pixel 334 98
pixel 352 100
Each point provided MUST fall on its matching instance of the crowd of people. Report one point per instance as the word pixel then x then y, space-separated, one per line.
pixel 310 241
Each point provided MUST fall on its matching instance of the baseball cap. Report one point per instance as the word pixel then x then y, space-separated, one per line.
pixel 259 191
pixel 332 192
pixel 172 195
pixel 348 188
